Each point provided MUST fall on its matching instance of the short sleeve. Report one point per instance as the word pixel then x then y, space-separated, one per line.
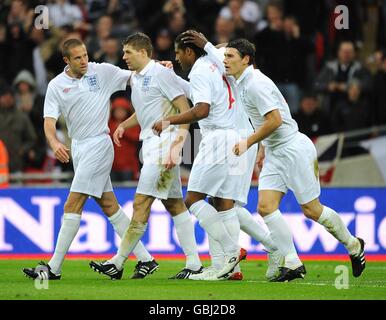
pixel 200 90
pixel 264 98
pixel 114 76
pixel 185 85
pixel 169 84
pixel 216 55
pixel 51 104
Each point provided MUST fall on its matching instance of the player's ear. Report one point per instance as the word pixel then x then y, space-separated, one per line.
pixel 246 59
pixel 66 60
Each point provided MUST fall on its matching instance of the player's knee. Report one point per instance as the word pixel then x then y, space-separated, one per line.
pixel 310 213
pixel 188 202
pixel 72 206
pixel 109 207
pixel 264 208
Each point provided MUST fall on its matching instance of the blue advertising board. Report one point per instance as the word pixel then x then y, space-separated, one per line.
pixel 30 221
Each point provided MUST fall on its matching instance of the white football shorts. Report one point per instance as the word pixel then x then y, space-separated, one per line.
pixel 293 166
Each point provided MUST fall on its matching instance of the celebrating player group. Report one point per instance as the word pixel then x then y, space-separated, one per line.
pixel 244 120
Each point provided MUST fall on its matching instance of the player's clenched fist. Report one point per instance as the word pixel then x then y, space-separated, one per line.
pixel 160 126
pixel 118 134
pixel 240 147
pixel 62 153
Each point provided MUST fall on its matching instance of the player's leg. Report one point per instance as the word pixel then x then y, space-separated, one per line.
pixel 334 224
pixel 268 207
pixel 251 227
pixel 71 221
pixel 137 227
pixel 185 233
pixel 210 220
pixel 110 206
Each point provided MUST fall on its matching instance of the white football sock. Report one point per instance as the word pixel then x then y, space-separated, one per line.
pixel 334 225
pixel 67 233
pixel 185 232
pixel 282 237
pixel 211 221
pixel 120 222
pixel 216 252
pixel 254 229
pixel 129 241
pixel 231 223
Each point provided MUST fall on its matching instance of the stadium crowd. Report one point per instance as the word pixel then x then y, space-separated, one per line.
pixel 333 79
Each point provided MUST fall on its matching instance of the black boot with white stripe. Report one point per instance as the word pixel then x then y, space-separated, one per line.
pixel 109 269
pixel 358 261
pixel 41 272
pixel 142 269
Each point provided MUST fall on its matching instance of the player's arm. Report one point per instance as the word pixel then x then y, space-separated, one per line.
pixel 214 52
pixel 62 153
pixel 272 121
pixel 180 103
pixel 130 122
pixel 198 112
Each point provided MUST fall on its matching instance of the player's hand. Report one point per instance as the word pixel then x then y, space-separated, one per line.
pixel 167 64
pixel 160 126
pixel 174 155
pixel 62 153
pixel 260 160
pixel 195 37
pixel 240 147
pixel 118 134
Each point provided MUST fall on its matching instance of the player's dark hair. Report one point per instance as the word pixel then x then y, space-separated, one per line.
pixel 245 48
pixel 182 45
pixel 69 44
pixel 139 41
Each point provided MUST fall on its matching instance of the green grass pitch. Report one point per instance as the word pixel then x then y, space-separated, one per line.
pixel 79 282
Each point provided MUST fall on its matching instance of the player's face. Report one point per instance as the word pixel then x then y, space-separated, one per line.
pixel 234 64
pixel 133 57
pixel 183 59
pixel 77 61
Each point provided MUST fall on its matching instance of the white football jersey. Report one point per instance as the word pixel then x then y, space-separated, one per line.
pixel 153 90
pixel 259 95
pixel 243 124
pixel 85 102
pixel 207 85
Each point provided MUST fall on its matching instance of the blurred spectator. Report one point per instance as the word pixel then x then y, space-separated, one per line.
pixel 269 42
pixel 18 51
pixel 4 166
pixel 312 120
pixel 381 32
pixel 224 30
pixel 54 63
pixel 282 54
pixel 63 13
pixel 32 104
pixel 16 131
pixel 164 46
pixel 333 79
pixel 311 15
pixel 245 14
pixel 20 13
pixel 112 53
pixel 353 113
pixel 354 33
pixel 126 162
pixel 379 94
pixel 103 31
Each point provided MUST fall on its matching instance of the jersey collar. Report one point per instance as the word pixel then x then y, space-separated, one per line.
pixel 246 72
pixel 149 65
pixel 71 78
